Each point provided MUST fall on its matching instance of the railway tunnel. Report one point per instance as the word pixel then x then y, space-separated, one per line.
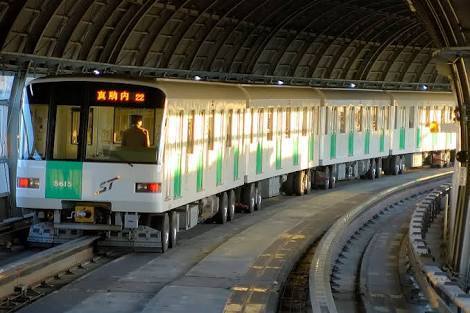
pixel 388 46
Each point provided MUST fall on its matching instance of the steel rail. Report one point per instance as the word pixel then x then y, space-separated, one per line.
pixel 321 295
pixel 40 266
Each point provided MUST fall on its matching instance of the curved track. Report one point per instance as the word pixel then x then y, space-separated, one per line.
pixel 234 268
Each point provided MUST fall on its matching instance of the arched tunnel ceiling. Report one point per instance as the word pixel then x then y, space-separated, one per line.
pixel 324 39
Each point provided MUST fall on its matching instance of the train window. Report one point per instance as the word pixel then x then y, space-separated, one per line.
pixel 76 126
pixel 260 124
pixel 279 123
pixel 190 142
pixel 375 118
pixel 397 113
pixel 228 141
pixel 386 117
pixel 443 115
pixel 359 112
pixel 39 121
pixel 252 125
pixel 342 119
pixel 288 122
pixel 270 129
pixel 63 148
pixel 242 126
pixel 210 130
pixel 411 117
pixel 304 121
pixel 327 119
pixel 316 120
pixel 427 117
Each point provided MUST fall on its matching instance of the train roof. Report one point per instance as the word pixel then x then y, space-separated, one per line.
pixel 423 98
pixel 355 97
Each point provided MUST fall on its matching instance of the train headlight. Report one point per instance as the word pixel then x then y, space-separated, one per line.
pixel 27 182
pixel 148 187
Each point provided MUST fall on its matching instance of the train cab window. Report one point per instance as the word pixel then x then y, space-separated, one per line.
pixel 386 117
pixel 375 118
pixel 411 117
pixel 191 122
pixel 270 128
pixel 288 122
pixel 35 116
pixel 304 121
pixel 210 130
pixel 67 130
pixel 359 112
pixel 279 124
pixel 228 140
pixel 342 119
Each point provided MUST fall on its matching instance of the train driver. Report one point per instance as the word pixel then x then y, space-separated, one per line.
pixel 136 136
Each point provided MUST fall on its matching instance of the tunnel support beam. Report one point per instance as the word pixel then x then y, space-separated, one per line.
pixel 14 113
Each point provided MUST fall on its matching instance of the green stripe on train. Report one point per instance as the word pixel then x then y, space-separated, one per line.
pixel 333 146
pixel 218 174
pixel 402 138
pixel 296 152
pixel 382 141
pixel 311 148
pixel 177 179
pixel 278 154
pixel 367 142
pixel 236 160
pixel 200 172
pixel 418 137
pixel 351 144
pixel 259 158
pixel 64 179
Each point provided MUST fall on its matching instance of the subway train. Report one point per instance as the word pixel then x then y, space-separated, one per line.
pixel 139 160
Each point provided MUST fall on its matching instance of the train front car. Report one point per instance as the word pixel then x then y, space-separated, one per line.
pixel 89 159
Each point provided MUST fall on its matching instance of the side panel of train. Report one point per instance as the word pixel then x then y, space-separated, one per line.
pixel 417 127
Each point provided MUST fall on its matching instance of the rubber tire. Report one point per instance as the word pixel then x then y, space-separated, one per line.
pixel 378 168
pixel 326 181
pixel 231 205
pixel 299 183
pixel 249 197
pixel 394 165
pixel 402 167
pixel 173 217
pixel 258 198
pixel 221 216
pixel 308 182
pixel 164 227
pixel 289 184
pixel 332 178
pixel 372 170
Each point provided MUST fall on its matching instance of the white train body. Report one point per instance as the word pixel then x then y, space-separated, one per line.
pixel 207 139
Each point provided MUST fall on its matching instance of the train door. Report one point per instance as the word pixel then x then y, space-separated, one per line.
pixel 367 130
pixel 279 134
pixel 200 133
pixel 259 146
pixel 178 156
pixel 351 126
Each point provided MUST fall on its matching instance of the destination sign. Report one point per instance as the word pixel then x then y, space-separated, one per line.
pixel 123 96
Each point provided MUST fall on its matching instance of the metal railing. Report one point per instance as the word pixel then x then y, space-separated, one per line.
pixel 330 247
pixel 443 292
